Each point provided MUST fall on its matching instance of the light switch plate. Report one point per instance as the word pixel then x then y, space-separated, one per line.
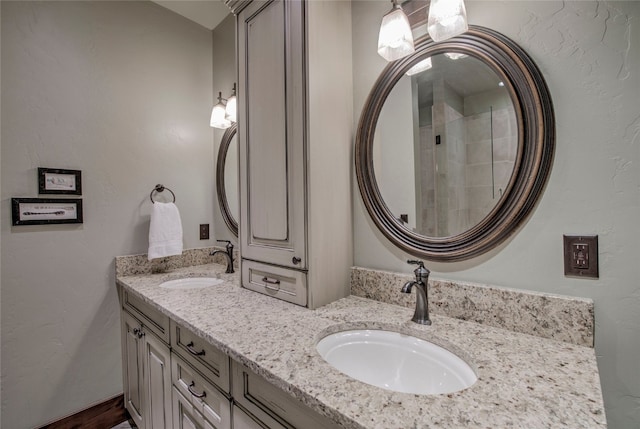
pixel 581 256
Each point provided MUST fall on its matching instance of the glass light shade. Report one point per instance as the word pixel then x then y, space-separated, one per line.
pixel 455 55
pixel 420 67
pixel 218 119
pixel 447 18
pixel 231 109
pixel 395 39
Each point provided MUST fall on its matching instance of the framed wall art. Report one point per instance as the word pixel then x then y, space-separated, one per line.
pixel 57 181
pixel 45 211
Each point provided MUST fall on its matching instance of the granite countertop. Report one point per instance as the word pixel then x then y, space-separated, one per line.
pixel 523 381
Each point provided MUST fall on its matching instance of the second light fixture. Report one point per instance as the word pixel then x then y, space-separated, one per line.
pixel 224 113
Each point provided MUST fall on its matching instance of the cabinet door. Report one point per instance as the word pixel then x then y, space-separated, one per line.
pixel 272 132
pixel 133 374
pixel 157 364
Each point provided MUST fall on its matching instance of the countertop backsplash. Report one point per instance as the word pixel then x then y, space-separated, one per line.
pixel 139 264
pixel 557 317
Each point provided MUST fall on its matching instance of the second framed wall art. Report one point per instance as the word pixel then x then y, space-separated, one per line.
pixel 45 211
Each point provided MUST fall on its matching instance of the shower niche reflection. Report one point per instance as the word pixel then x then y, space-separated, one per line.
pixel 446 145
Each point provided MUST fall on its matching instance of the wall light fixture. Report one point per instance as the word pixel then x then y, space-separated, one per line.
pixel 395 39
pixel 447 18
pixel 224 113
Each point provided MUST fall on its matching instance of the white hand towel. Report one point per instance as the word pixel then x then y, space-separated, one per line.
pixel 165 231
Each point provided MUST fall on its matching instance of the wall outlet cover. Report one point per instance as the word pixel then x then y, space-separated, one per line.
pixel 581 256
pixel 204 231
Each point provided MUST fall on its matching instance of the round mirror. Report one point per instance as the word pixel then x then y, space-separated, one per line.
pixel 454 145
pixel 227 178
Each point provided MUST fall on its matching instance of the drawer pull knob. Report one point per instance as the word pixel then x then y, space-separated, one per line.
pixel 193 351
pixel 296 260
pixel 138 332
pixel 194 393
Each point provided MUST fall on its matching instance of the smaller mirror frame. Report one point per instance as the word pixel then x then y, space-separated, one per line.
pixel 536 141
pixel 227 137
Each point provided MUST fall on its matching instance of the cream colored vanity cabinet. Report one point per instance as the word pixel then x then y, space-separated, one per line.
pixel 146 374
pixel 295 132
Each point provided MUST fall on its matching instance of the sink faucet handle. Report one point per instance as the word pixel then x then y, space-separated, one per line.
pixel 422 273
pixel 415 262
pixel 229 243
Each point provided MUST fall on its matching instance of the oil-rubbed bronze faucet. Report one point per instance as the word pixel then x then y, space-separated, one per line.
pixel 421 314
pixel 228 253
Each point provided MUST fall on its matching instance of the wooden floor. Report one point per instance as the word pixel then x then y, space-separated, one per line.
pixel 104 415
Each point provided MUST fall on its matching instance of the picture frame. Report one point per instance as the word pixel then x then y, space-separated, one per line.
pixel 59 181
pixel 46 211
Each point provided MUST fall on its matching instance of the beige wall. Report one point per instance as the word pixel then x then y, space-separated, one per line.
pixel 123 92
pixel 589 54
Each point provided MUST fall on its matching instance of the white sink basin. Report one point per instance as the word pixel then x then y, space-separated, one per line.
pixel 191 283
pixel 396 362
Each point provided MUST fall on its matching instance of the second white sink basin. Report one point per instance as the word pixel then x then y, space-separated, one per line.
pixel 396 362
pixel 192 283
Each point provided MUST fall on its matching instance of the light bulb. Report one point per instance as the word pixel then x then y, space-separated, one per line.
pixel 455 55
pixel 420 67
pixel 395 39
pixel 447 18
pixel 231 109
pixel 218 115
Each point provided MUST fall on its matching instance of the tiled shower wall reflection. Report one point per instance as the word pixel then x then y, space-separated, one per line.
pixel 469 171
pixel 491 146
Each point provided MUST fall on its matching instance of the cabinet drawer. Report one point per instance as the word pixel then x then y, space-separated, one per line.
pixel 203 396
pixel 274 407
pixel 150 317
pixel 207 359
pixel 278 282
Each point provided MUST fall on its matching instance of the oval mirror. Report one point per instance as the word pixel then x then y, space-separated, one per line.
pixel 227 178
pixel 454 145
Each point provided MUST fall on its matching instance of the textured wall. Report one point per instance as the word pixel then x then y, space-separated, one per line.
pixel 589 54
pixel 121 91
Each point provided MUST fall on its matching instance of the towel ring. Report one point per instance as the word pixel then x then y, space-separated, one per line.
pixel 161 188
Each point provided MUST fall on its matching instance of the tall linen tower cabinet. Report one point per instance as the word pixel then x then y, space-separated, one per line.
pixel 295 133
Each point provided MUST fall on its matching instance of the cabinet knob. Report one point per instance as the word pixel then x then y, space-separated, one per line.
pixel 296 260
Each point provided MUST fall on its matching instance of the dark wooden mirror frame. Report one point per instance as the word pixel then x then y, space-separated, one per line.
pixel 227 137
pixel 536 141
